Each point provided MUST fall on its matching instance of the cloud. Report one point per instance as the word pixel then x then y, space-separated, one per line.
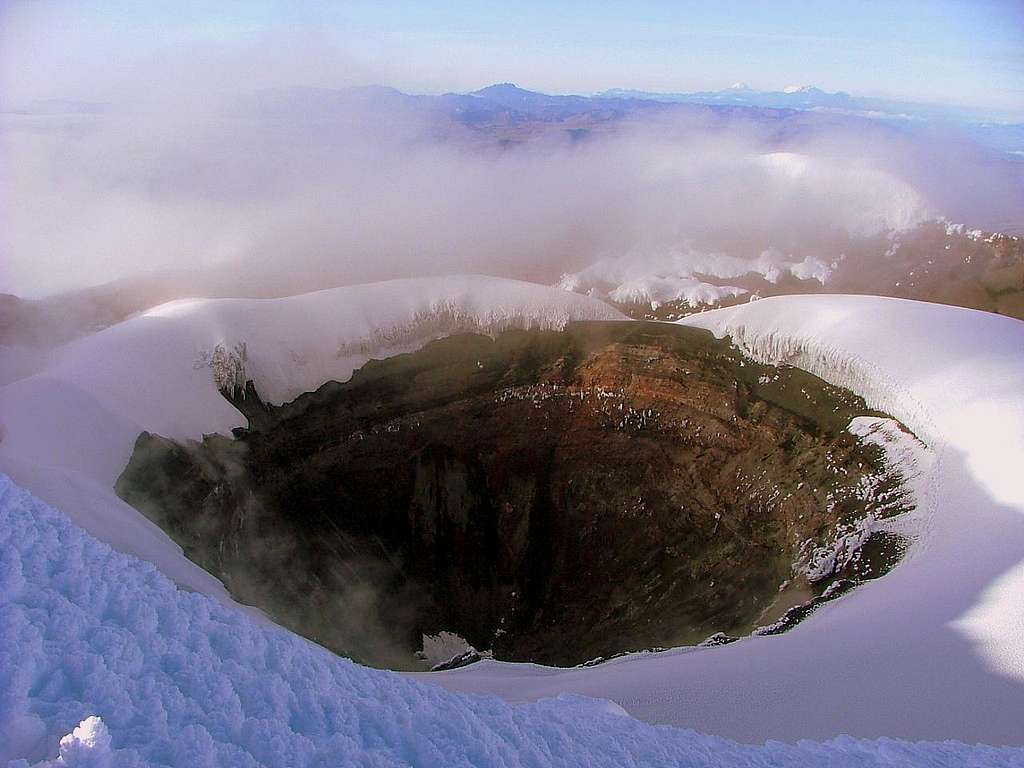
pixel 370 191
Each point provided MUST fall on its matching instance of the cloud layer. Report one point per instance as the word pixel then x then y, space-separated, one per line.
pixel 368 192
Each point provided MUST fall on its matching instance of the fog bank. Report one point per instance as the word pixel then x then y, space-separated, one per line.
pixel 290 190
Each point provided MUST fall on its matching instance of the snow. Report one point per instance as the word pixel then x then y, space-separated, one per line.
pixel 662 277
pixel 656 291
pixel 443 647
pixel 88 744
pixel 811 269
pixel 932 650
pixel 960 229
pixel 907 460
pixel 104 662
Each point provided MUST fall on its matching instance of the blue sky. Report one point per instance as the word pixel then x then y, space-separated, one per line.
pixel 955 52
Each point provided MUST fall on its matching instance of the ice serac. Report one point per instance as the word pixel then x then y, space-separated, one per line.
pixel 933 650
pixel 104 662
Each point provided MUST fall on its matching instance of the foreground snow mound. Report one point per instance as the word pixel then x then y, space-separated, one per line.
pixel 103 662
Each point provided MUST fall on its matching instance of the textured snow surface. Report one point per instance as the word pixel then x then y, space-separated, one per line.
pixel 104 662
pixel 934 649
pixel 67 432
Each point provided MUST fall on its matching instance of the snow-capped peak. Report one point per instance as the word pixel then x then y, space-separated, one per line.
pixel 798 89
pixel 739 86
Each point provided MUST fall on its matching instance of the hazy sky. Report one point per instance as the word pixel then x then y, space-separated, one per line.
pixel 936 50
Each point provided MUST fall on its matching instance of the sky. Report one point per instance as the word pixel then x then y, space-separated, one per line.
pixel 967 53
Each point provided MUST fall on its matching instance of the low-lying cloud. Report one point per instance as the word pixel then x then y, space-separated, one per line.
pixel 286 201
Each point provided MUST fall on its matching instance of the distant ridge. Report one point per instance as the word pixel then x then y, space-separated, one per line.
pixel 485 103
pixel 808 97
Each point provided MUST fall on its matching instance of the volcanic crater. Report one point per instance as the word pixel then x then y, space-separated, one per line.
pixel 550 496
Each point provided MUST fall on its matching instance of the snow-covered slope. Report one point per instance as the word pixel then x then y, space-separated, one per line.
pixel 933 650
pixel 67 431
pixel 104 663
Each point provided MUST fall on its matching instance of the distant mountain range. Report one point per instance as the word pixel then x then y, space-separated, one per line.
pixel 741 94
pixel 811 97
pixel 506 113
pixel 509 96
pixel 513 114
